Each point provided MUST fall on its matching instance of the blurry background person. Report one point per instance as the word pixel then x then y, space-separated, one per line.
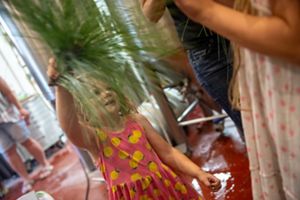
pixel 13 130
pixel 267 33
pixel 208 53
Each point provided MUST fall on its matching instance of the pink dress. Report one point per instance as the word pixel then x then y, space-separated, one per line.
pixel 133 171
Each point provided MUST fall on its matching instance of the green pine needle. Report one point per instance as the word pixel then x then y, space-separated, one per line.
pixel 95 43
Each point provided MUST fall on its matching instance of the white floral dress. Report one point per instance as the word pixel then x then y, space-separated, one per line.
pixel 270 97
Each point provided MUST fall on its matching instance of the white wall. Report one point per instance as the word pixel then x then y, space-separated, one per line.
pixel 13 69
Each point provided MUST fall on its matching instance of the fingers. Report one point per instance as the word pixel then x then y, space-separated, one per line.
pixel 52 63
pixel 211 182
pixel 215 183
pixel 206 182
pixel 52 72
pixel 52 60
pixel 26 117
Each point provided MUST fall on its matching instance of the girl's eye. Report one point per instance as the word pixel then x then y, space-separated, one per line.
pixel 97 91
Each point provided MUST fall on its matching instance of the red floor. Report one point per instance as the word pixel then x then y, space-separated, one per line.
pixel 224 156
pixel 67 182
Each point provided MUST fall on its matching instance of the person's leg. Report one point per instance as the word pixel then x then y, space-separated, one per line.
pixel 180 63
pixel 3 190
pixel 36 150
pixel 213 68
pixel 20 133
pixel 16 163
pixel 9 149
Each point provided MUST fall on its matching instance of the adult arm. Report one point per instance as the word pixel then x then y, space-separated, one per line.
pixel 276 35
pixel 8 93
pixel 79 134
pixel 153 9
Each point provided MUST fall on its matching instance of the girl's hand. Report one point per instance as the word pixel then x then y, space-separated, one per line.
pixel 209 180
pixel 52 72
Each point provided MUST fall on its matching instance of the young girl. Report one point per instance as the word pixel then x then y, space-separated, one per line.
pixel 134 159
pixel 269 80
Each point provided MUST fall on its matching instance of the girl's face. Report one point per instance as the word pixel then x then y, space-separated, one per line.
pixel 108 98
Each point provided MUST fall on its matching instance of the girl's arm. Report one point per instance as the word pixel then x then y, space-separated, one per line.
pixel 67 117
pixel 276 35
pixel 153 9
pixel 175 159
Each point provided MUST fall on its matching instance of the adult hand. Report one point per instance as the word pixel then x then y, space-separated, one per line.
pixel 25 115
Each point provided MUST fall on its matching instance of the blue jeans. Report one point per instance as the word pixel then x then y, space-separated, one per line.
pixel 213 67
